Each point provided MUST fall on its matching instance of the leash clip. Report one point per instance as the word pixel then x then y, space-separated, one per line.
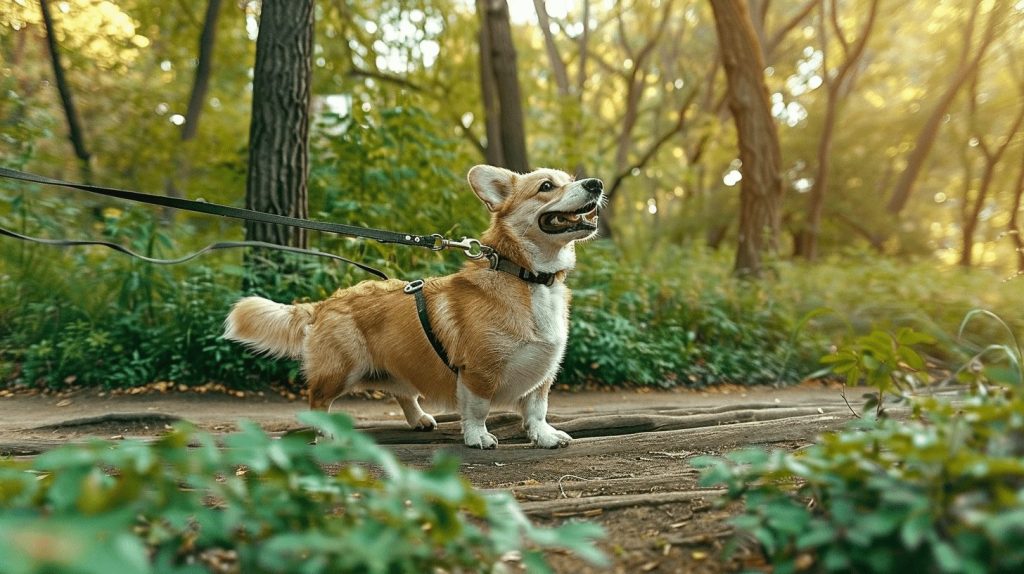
pixel 472 248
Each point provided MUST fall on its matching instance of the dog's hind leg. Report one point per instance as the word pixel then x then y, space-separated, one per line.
pixel 323 390
pixel 414 414
pixel 473 410
pixel 533 406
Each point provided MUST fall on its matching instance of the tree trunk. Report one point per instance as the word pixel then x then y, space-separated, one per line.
pixel 761 187
pixel 992 159
pixel 200 85
pixel 971 222
pixel 503 107
pixel 837 87
pixel 807 238
pixel 75 133
pixel 927 136
pixel 494 153
pixel 279 133
pixel 554 58
pixel 1013 227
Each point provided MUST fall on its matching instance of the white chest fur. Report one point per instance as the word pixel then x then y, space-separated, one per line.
pixel 537 359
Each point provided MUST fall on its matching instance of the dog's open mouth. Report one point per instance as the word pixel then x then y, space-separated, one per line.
pixel 583 219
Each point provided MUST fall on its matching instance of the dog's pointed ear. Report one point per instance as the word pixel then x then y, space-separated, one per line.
pixel 491 184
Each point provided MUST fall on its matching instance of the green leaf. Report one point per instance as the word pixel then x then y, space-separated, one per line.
pixel 819 534
pixel 916 529
pixel 946 557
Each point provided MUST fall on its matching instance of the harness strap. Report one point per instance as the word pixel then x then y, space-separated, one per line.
pixel 416 288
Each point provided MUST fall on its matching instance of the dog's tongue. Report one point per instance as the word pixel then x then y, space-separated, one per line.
pixel 559 220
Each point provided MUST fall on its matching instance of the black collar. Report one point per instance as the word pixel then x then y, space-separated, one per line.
pixel 500 263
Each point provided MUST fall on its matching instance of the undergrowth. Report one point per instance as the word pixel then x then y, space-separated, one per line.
pixel 183 504
pixel 95 318
pixel 938 489
pixel 675 317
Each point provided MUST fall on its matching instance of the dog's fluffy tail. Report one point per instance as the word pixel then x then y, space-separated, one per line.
pixel 268 327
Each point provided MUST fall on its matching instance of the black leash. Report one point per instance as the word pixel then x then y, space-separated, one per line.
pixel 183 259
pixel 435 242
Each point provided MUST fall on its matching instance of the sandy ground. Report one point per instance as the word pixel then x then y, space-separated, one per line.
pixel 627 469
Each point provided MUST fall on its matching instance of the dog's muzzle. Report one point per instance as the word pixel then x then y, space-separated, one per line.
pixel 582 219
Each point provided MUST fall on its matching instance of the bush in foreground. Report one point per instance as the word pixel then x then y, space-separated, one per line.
pixel 182 504
pixel 941 492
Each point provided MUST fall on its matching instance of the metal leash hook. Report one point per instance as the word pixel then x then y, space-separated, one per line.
pixel 472 248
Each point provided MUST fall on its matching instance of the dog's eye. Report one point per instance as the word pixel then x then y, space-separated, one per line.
pixel 546 186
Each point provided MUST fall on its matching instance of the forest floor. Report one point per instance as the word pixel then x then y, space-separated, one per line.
pixel 627 470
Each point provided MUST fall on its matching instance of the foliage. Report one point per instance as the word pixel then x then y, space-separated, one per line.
pixel 131 67
pixel 676 320
pixel 885 361
pixel 261 505
pixel 655 325
pixel 940 492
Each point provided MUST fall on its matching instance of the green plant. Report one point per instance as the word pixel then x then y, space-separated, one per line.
pixel 259 505
pixel 940 492
pixel 885 361
pixel 977 372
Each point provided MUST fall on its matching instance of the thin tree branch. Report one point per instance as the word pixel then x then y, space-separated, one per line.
pixel 355 72
pixel 773 43
pixel 189 15
pixel 557 64
pixel 581 73
pixel 655 146
pixel 833 14
pixel 75 132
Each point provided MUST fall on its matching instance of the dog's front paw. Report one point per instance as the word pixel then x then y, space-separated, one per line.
pixel 425 423
pixel 547 436
pixel 480 439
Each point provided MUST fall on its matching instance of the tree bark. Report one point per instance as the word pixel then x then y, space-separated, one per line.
pixel 837 87
pixel 493 153
pixel 927 136
pixel 761 186
pixel 75 133
pixel 503 108
pixel 279 132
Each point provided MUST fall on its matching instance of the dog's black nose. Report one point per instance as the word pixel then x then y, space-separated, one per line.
pixel 593 185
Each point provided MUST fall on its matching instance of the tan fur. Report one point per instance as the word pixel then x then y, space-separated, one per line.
pixel 369 335
pixel 268 327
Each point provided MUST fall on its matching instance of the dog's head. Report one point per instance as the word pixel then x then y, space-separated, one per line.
pixel 543 211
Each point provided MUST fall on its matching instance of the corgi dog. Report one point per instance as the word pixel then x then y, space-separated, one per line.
pixel 490 335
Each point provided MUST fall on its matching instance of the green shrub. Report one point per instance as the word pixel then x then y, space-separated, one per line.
pixel 941 492
pixel 260 505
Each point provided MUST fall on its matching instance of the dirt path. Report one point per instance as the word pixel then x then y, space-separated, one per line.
pixel 627 468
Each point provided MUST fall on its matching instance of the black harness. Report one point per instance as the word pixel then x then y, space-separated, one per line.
pixel 498 263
